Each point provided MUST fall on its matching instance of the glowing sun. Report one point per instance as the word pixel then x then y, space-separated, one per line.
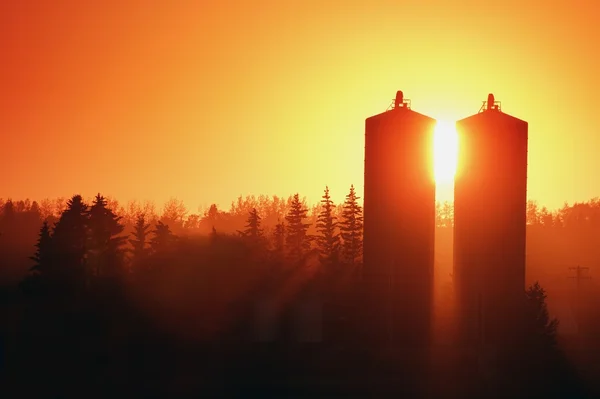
pixel 445 152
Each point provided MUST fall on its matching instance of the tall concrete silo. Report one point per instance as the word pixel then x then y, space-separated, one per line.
pixel 490 196
pixel 399 225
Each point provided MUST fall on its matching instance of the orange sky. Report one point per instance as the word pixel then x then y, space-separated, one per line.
pixel 205 102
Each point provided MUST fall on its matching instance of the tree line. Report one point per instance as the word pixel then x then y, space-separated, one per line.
pixel 88 241
pixel 133 290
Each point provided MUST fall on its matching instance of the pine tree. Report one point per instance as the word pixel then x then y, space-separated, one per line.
pixel 8 221
pixel 535 363
pixel 351 229
pixel 9 213
pixel 35 208
pixel 139 241
pixel 253 231
pixel 328 241
pixel 70 243
pixel 105 244
pixel 297 239
pixel 541 328
pixel 279 238
pixel 43 254
pixel 163 238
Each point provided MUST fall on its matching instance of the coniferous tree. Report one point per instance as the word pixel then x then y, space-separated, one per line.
pixel 541 329
pixel 297 239
pixel 7 221
pixel 35 208
pixel 70 243
pixel 139 241
pixel 32 216
pixel 105 245
pixel 535 362
pixel 279 238
pixel 328 241
pixel 163 238
pixel 351 227
pixel 43 254
pixel 253 231
pixel 9 213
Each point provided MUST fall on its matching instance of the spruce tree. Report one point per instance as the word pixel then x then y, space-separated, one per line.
pixel 9 214
pixel 139 241
pixel 105 244
pixel 297 239
pixel 163 238
pixel 351 229
pixel 279 238
pixel 43 253
pixel 253 231
pixel 535 363
pixel 328 241
pixel 70 243
pixel 35 208
pixel 541 329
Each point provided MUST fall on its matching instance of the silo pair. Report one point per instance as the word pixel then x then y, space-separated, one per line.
pixel 490 195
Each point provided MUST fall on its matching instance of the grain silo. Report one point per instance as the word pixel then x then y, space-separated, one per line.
pixel 399 224
pixel 490 196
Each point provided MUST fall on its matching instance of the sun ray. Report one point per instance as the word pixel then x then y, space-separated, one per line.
pixel 445 152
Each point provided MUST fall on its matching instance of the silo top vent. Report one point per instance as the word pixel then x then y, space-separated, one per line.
pixel 491 104
pixel 399 101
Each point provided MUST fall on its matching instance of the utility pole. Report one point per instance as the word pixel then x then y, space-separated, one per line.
pixel 579 275
pixel 390 302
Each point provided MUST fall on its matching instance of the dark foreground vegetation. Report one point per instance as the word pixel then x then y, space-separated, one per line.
pixel 100 300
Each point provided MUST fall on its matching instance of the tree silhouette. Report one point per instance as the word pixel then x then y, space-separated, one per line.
pixel 174 213
pixel 70 243
pixel 351 226
pixel 211 216
pixel 279 238
pixel 297 239
pixel 8 212
pixel 328 241
pixel 105 255
pixel 211 287
pixel 43 254
pixel 163 238
pixel 253 230
pixel 536 363
pixel 541 329
pixel 192 222
pixel 35 210
pixel 140 240
pixel 8 218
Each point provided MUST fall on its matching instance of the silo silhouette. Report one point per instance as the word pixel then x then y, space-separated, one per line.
pixel 490 196
pixel 399 225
